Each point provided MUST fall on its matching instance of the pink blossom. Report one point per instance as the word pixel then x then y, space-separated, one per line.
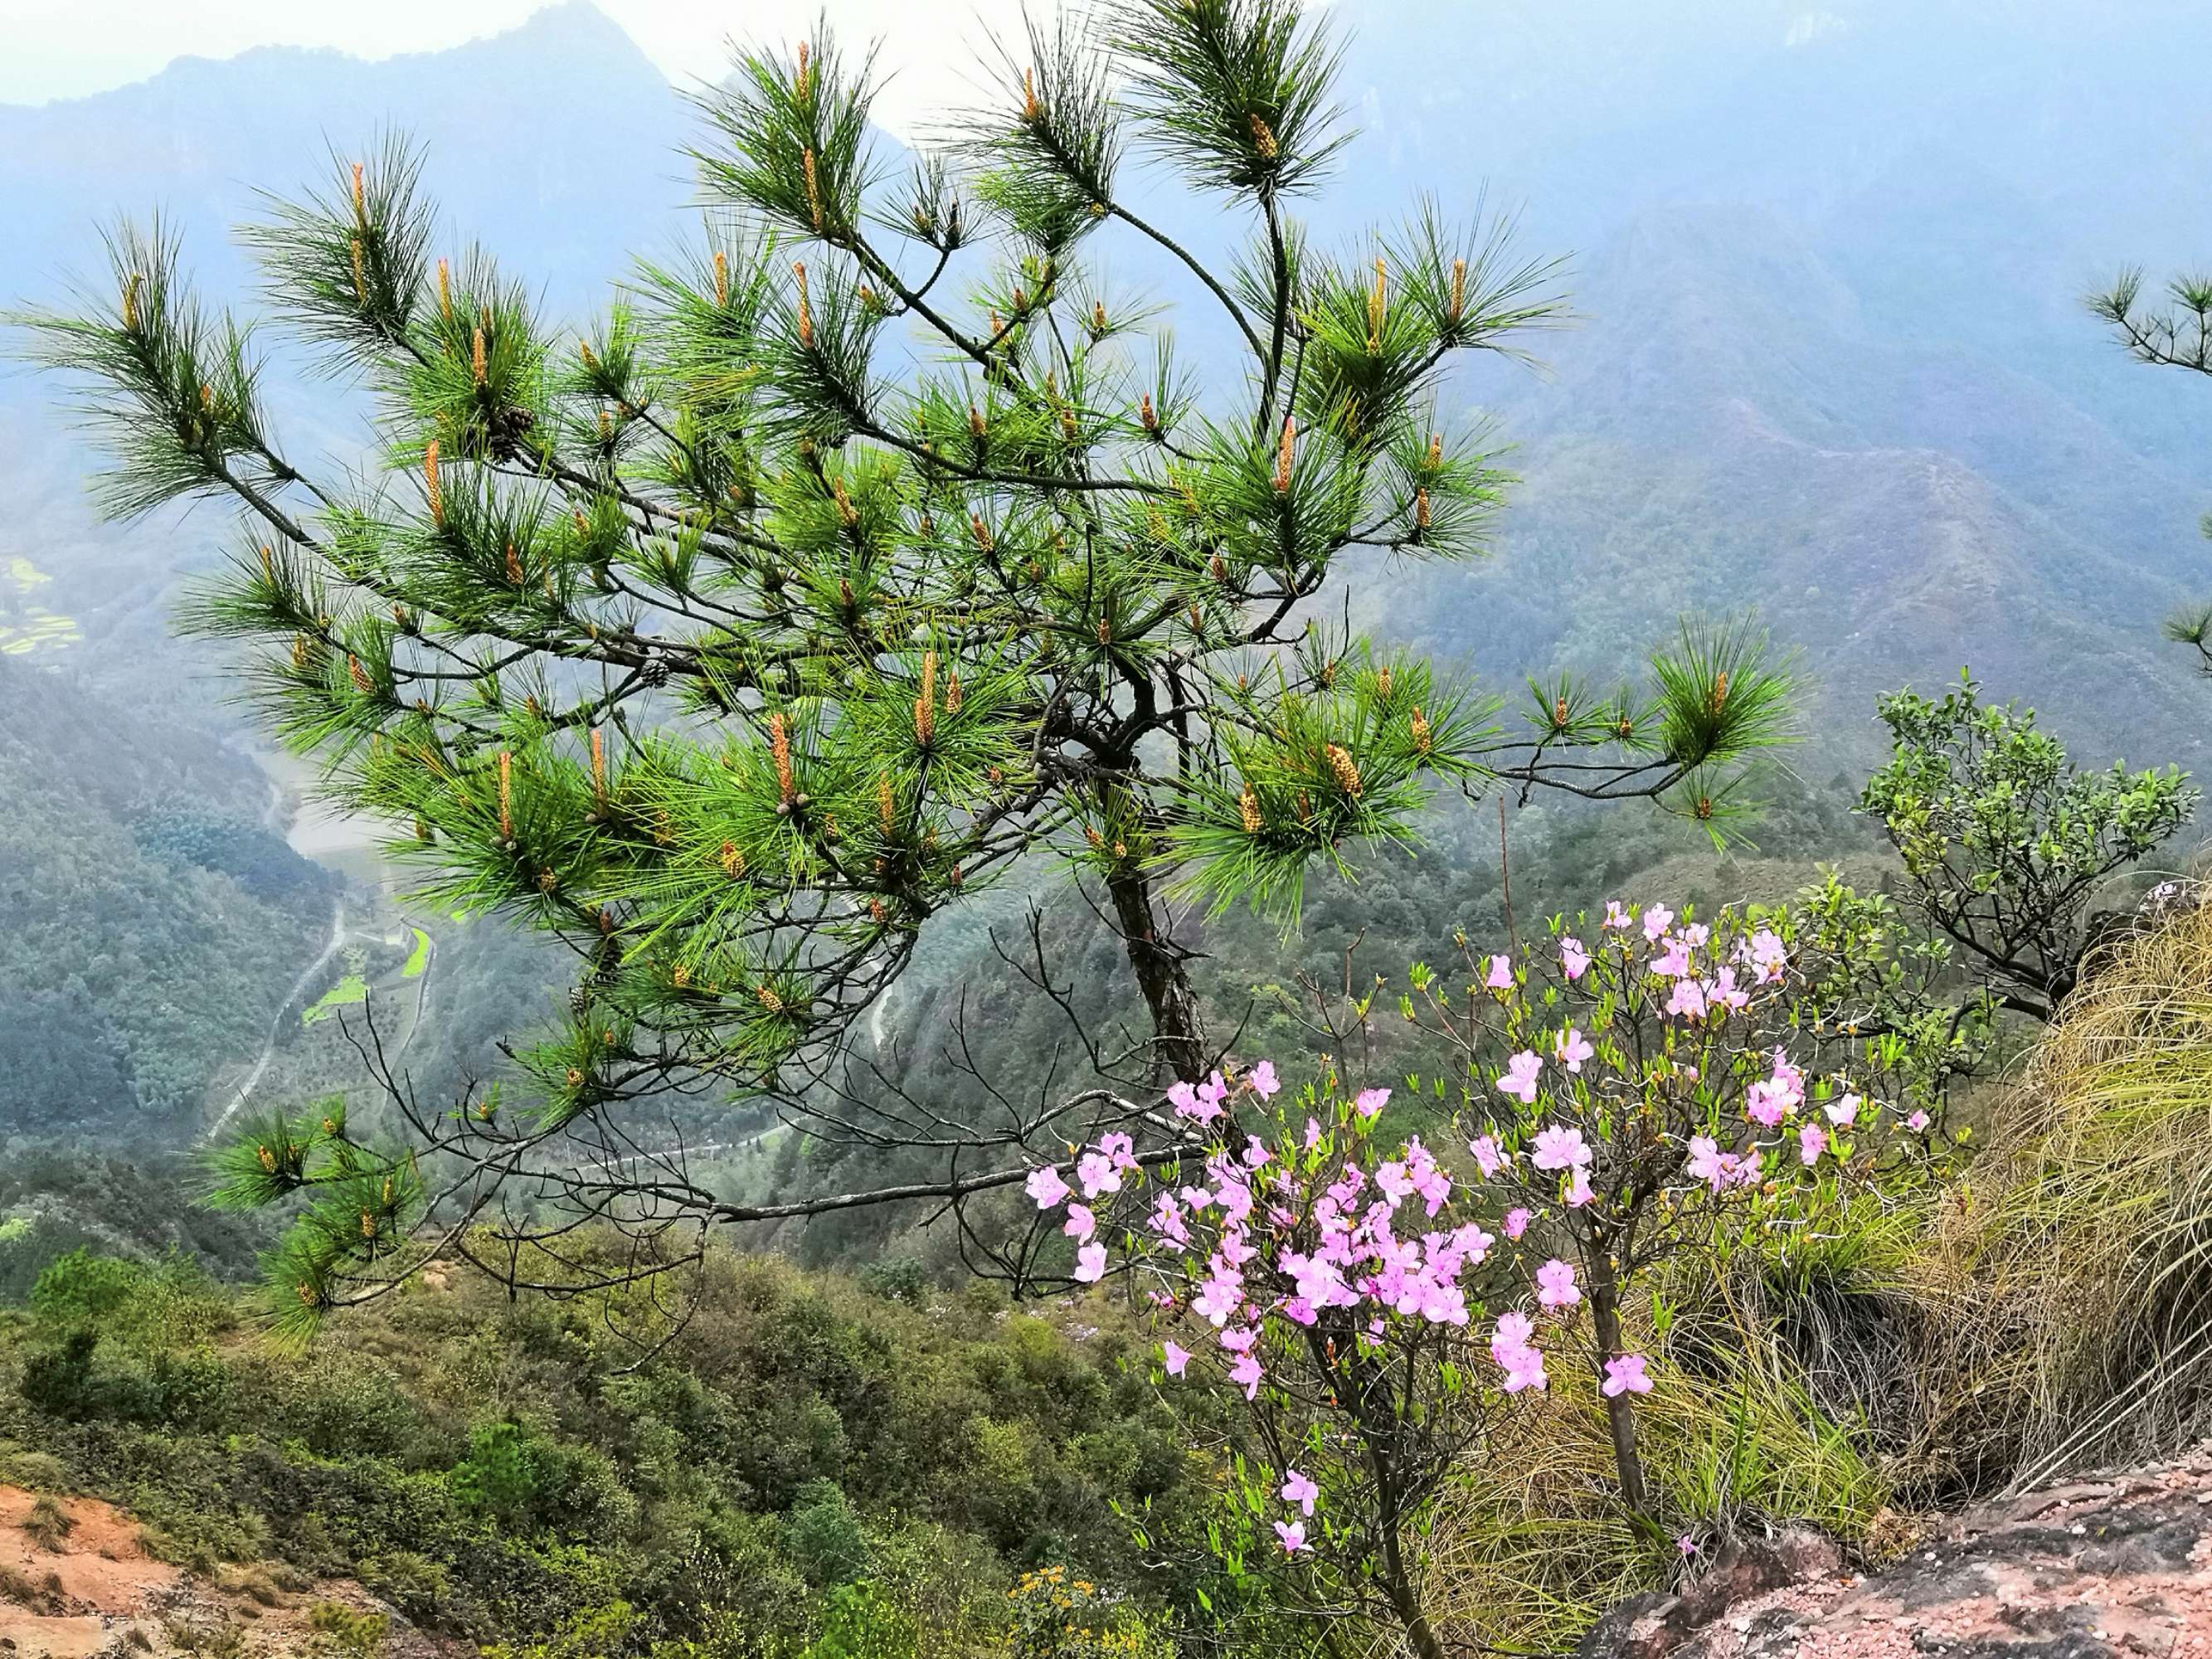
pixel 1094 1173
pixel 1812 1141
pixel 1046 1187
pixel 1218 1297
pixel 1917 1122
pixel 1264 1081
pixel 1765 952
pixel 1687 1545
pixel 1555 1285
pixel 1656 920
pixel 1519 1077
pixel 1487 1157
pixel 1843 1112
pixel 1091 1264
pixel 1624 1374
pixel 1313 1134
pixel 1524 1369
pixel 1515 1329
pixel 1674 962
pixel 1516 1222
pixel 1574 958
pixel 1369 1102
pixel 1716 1169
pixel 1578 1191
pixel 1176 1357
pixel 1293 1534
pixel 1255 1153
pixel 1080 1223
pixel 1570 1049
pixel 1615 916
pixel 1560 1147
pixel 1201 1103
pixel 1500 976
pixel 1688 1001
pixel 1722 992
pixel 1300 1489
pixel 1246 1372
pixel 1120 1150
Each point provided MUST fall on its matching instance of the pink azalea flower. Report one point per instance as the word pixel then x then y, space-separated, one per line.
pixel 1578 1188
pixel 1843 1112
pixel 1615 916
pixel 1524 1369
pixel 1519 1077
pixel 1313 1134
pixel 1674 961
pixel 1301 1490
pixel 1094 1173
pixel 1560 1147
pixel 1812 1141
pixel 1091 1264
pixel 1176 1357
pixel 1293 1534
pixel 1515 1329
pixel 1201 1104
pixel 1046 1187
pixel 1500 976
pixel 1369 1102
pixel 1487 1159
pixel 1624 1374
pixel 1917 1122
pixel 1080 1223
pixel 1574 958
pixel 1656 920
pixel 1255 1153
pixel 1246 1373
pixel 1265 1083
pixel 1121 1151
pixel 1688 1001
pixel 1570 1049
pixel 1555 1285
pixel 1516 1222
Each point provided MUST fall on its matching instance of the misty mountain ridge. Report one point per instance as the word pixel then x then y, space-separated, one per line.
pixel 1829 362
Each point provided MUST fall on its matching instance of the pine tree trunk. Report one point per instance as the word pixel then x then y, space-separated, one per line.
pixel 1620 1418
pixel 1178 1032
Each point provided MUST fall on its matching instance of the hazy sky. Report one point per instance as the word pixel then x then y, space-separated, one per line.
pixel 67 48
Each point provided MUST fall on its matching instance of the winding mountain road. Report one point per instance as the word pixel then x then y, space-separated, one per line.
pixel 276 1026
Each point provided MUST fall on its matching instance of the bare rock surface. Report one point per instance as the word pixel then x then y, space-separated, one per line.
pixel 2117 1564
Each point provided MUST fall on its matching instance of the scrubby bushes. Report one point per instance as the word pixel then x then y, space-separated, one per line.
pixel 803 1463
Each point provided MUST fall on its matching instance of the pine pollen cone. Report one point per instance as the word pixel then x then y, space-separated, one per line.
pixel 732 860
pixel 1263 137
pixel 925 706
pixel 360 275
pixel 430 483
pixel 1420 726
pixel 805 316
pixel 1247 809
pixel 476 357
pixel 722 279
pixel 1341 764
pixel 779 743
pixel 445 294
pixel 1283 455
pixel 506 795
pixel 1031 110
pixel 813 192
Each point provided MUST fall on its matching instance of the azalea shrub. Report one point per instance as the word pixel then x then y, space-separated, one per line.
pixel 1382 1279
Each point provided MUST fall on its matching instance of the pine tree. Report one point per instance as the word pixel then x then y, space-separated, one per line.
pixel 875 547
pixel 2179 336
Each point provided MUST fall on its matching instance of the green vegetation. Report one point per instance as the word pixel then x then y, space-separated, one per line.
pixel 349 992
pixel 801 1463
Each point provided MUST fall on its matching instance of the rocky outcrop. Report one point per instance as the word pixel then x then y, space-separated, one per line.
pixel 2114 1565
